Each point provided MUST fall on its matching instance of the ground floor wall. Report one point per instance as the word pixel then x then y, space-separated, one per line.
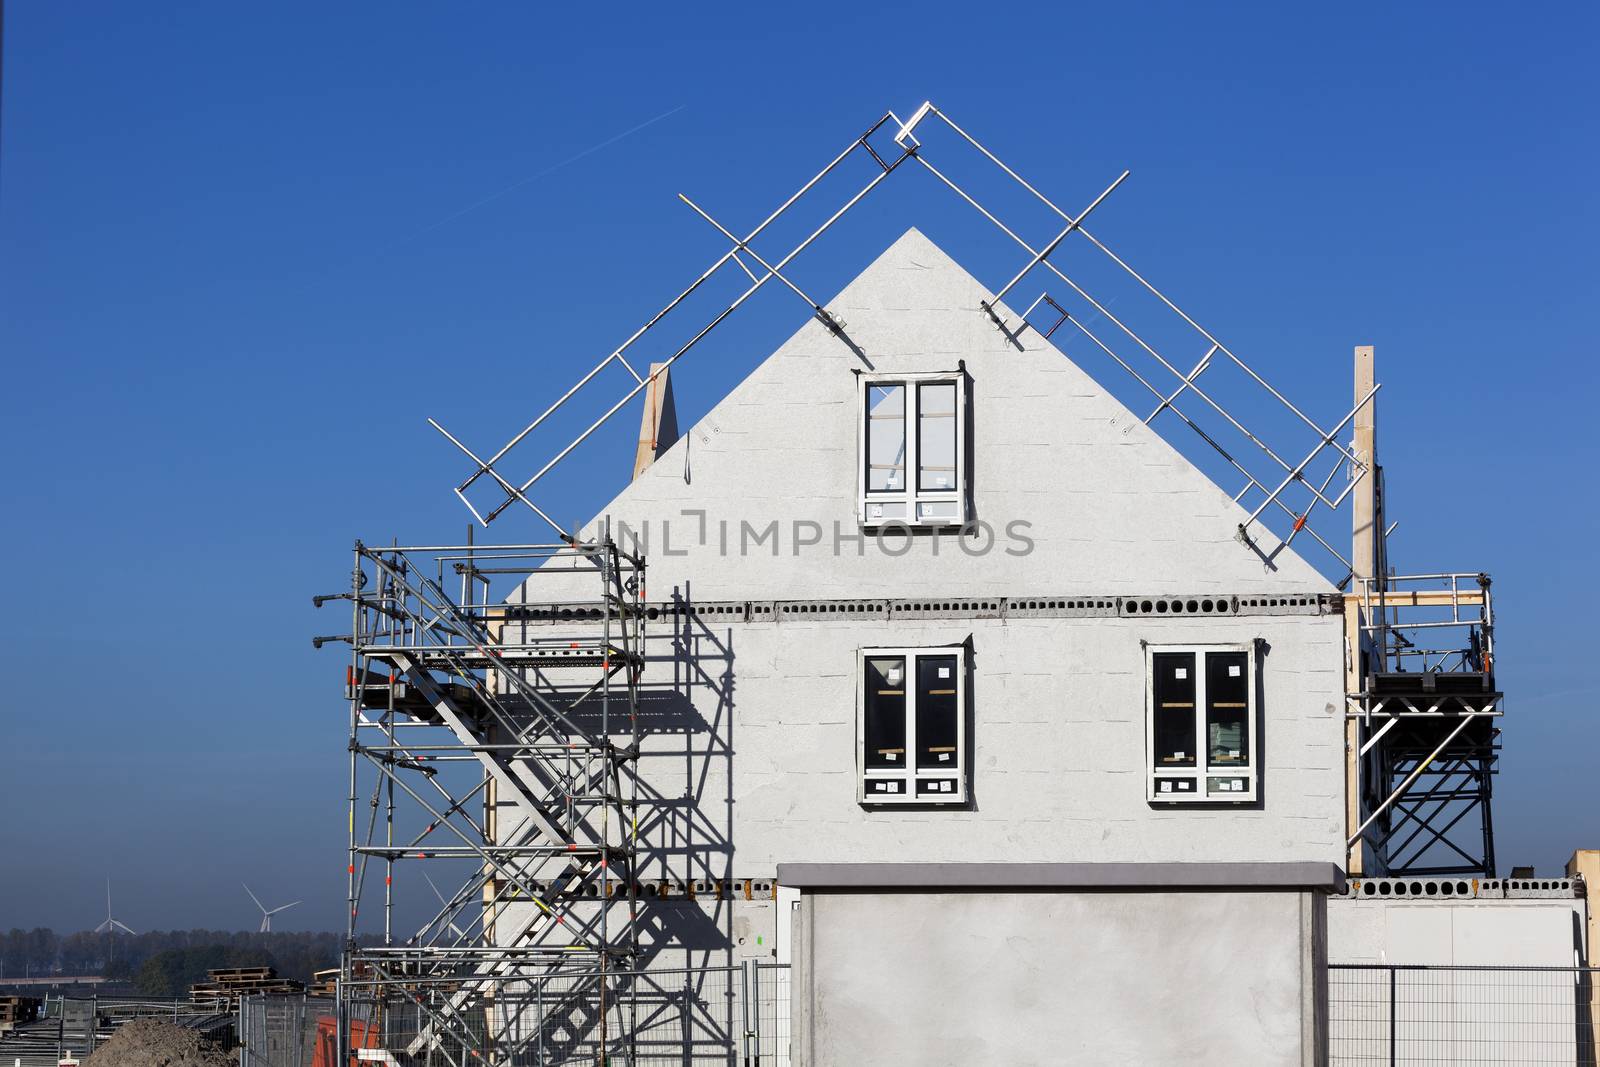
pixel 1074 969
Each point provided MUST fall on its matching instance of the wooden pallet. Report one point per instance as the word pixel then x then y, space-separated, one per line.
pixel 225 985
pixel 228 974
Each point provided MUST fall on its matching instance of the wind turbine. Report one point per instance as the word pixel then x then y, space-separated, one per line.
pixel 112 926
pixel 266 916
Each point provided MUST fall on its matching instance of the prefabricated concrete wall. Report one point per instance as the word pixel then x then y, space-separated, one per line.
pixel 1468 932
pixel 1479 976
pixel 1067 966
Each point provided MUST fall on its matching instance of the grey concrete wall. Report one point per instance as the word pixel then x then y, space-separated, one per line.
pixel 1468 932
pixel 1201 977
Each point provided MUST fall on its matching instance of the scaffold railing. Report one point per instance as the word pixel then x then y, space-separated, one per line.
pixel 1282 488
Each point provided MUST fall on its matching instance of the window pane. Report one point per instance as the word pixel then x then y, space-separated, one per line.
pixel 1173 714
pixel 885 712
pixel 940 511
pixel 937 718
pixel 936 436
pixel 1227 710
pixel 886 438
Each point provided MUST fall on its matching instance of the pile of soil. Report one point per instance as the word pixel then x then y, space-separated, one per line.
pixel 156 1043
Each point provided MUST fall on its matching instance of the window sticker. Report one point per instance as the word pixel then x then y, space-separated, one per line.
pixel 1181 672
pixel 944 672
pixel 1233 670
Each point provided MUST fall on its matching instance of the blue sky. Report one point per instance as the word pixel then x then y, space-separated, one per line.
pixel 245 252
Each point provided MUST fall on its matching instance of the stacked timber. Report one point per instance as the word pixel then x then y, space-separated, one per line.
pixel 225 985
pixel 15 1011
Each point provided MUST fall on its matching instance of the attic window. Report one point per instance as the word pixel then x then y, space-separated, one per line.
pixel 911 732
pixel 913 450
pixel 1200 724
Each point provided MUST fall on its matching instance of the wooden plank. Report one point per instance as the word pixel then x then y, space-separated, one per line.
pixel 1364 536
pixel 1431 598
pixel 658 428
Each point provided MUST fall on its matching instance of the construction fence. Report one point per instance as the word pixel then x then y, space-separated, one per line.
pixel 1382 1014
pixel 724 1016
pixel 739 1017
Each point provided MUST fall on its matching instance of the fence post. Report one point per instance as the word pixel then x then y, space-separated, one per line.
pixel 1392 1029
pixel 755 973
pixel 744 1002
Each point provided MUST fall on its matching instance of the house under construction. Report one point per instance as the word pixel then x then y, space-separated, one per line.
pixel 923 668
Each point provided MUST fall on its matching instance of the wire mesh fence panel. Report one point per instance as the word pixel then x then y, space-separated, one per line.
pixel 281 1030
pixel 771 1015
pixel 1383 1014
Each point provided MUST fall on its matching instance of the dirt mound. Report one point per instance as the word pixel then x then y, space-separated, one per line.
pixel 155 1043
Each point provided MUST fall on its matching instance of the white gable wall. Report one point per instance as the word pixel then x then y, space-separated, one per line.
pixel 753 760
pixel 1112 507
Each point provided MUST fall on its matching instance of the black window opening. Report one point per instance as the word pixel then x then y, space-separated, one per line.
pixel 1227 709
pixel 1173 715
pixel 884 712
pixel 938 720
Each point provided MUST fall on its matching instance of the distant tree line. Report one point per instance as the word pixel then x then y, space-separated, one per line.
pixel 164 962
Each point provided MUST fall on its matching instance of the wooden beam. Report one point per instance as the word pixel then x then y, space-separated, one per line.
pixel 1431 598
pixel 1364 554
pixel 658 428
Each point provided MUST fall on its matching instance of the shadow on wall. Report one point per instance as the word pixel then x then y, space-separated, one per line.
pixel 685 729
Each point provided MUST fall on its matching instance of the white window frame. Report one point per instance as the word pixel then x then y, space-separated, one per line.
pixel 909 775
pixel 1202 774
pixel 911 498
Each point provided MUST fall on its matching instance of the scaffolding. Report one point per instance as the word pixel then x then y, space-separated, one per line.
pixel 500 755
pixel 1427 716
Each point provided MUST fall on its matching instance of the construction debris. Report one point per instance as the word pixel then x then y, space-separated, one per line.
pixel 158 1043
